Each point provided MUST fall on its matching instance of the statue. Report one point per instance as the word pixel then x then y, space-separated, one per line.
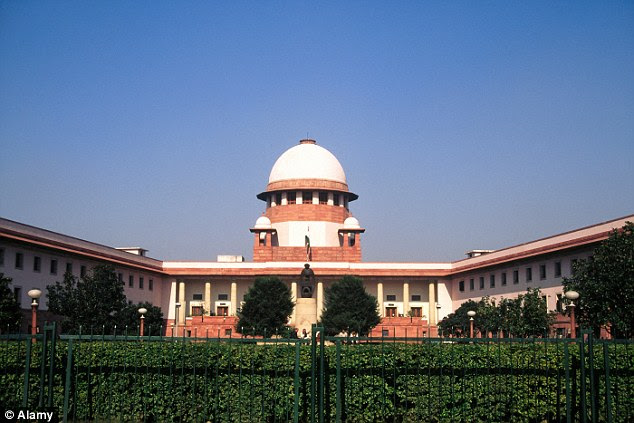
pixel 307 281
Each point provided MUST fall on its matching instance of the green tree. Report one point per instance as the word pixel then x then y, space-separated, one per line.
pixel 458 323
pixel 524 316
pixel 10 314
pixel 129 317
pixel 349 308
pixel 267 307
pixel 535 317
pixel 92 301
pixel 606 285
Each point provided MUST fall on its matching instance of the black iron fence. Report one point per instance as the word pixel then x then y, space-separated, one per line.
pixel 323 379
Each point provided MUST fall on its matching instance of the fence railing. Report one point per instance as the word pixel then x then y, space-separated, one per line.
pixel 323 379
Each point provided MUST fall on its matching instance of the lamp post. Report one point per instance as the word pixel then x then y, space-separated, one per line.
pixel 471 313
pixel 176 309
pixel 35 295
pixel 142 312
pixel 572 296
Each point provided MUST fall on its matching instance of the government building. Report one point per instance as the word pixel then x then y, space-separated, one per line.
pixel 307 220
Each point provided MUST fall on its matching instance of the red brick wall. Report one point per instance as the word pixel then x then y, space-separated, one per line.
pixel 304 212
pixel 270 253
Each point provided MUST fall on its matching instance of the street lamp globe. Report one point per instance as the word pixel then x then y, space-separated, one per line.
pixel 572 295
pixel 34 294
pixel 471 313
pixel 142 311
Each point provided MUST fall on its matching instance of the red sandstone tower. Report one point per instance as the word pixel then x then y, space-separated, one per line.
pixel 307 216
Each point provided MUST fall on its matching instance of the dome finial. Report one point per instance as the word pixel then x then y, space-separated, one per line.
pixel 307 141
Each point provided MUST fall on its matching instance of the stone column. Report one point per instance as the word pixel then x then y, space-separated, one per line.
pixel 208 297
pixel 405 298
pixel 182 301
pixel 234 299
pixel 379 294
pixel 171 312
pixel 320 299
pixel 294 299
pixel 432 303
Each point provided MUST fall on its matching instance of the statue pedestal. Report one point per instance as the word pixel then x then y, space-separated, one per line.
pixel 306 313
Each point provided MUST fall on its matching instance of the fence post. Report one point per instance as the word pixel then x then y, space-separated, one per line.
pixel 51 366
pixel 582 391
pixel 27 368
pixel 338 400
pixel 322 371
pixel 608 385
pixel 313 364
pixel 67 388
pixel 568 396
pixel 296 382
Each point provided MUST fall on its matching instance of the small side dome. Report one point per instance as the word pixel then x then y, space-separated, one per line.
pixel 351 223
pixel 263 222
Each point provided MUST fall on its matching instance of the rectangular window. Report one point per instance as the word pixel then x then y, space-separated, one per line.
pixel 542 271
pixel 559 306
pixel 82 271
pixel 307 197
pixel 323 197
pixel 69 268
pixel 390 297
pixel 19 260
pixel 492 281
pixel 557 269
pixel 461 286
pixel 415 297
pixel 481 282
pixel 227 332
pixel 120 277
pixel 197 297
pixel 223 297
pixel 471 284
pixel 335 199
pixel 416 312
pixel 529 274
pixel 53 267
pixel 1 256
pixel 37 264
pixel 141 282
pixel 17 294
pixel 291 197
pixel 150 285
pixel 385 333
pixel 516 276
pixel 131 281
pixel 278 199
pixel 503 276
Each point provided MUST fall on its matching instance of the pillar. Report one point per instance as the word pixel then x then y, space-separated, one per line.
pixel 432 303
pixel 183 302
pixel 379 294
pixel 320 299
pixel 234 299
pixel 173 300
pixel 208 297
pixel 405 298
pixel 294 299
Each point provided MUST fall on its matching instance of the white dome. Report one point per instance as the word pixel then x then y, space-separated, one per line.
pixel 351 223
pixel 263 222
pixel 307 161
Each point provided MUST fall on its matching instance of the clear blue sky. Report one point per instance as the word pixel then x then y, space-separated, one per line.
pixel 460 124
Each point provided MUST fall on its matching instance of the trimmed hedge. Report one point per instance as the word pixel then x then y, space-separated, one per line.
pixel 235 381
